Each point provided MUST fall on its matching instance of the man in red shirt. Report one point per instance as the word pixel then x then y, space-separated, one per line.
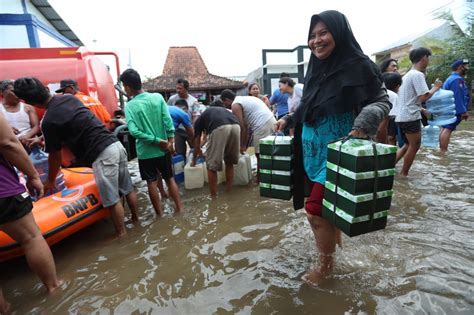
pixel 69 86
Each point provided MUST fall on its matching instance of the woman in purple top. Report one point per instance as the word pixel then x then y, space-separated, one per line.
pixel 16 218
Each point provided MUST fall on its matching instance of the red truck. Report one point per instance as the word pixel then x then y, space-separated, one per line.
pixel 51 65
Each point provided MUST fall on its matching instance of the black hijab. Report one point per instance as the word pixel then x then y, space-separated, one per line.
pixel 341 83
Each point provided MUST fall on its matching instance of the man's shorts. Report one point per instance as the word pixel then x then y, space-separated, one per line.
pixel 265 130
pixel 150 168
pixel 392 127
pixel 453 126
pixel 111 174
pixel 223 145
pixel 15 207
pixel 410 126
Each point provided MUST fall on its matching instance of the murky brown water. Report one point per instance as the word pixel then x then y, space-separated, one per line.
pixel 244 254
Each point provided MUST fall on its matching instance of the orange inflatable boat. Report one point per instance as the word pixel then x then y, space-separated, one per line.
pixel 64 212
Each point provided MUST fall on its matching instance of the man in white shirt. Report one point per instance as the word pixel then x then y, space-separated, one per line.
pixel 253 114
pixel 182 93
pixel 412 93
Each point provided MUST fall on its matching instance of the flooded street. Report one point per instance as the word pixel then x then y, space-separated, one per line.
pixel 242 254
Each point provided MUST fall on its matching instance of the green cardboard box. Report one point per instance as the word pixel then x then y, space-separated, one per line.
pixel 357 155
pixel 353 226
pixel 359 183
pixel 276 177
pixel 276 191
pixel 357 205
pixel 276 162
pixel 276 145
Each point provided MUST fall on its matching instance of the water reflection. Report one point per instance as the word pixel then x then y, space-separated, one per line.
pixel 244 254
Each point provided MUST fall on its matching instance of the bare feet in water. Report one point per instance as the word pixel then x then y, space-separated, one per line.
pixel 53 287
pixel 316 276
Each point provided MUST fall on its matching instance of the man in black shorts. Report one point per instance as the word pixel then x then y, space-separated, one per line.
pixel 149 121
pixel 16 218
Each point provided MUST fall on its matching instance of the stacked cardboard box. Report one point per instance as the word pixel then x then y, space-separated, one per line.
pixel 358 190
pixel 276 164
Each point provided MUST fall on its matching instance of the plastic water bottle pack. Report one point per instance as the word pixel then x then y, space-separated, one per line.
pixel 442 108
pixel 430 136
pixel 40 162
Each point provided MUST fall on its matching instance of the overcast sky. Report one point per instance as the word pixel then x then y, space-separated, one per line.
pixel 230 35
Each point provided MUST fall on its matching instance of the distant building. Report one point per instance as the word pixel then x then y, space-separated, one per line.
pixel 402 47
pixel 33 24
pixel 186 63
pixel 463 15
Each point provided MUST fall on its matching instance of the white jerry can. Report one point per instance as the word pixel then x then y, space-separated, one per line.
pixel 193 176
pixel 243 171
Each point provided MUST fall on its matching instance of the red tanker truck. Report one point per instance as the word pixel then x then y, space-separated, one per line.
pixel 51 65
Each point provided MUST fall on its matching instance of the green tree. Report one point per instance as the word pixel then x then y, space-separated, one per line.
pixel 460 45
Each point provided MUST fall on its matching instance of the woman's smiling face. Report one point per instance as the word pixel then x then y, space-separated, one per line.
pixel 321 42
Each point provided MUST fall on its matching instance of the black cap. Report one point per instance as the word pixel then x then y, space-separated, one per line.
pixel 65 83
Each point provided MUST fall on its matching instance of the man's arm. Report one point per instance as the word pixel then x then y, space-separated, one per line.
pixel 34 123
pixel 14 153
pixel 437 85
pixel 239 113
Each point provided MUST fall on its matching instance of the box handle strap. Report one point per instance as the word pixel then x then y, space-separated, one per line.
pixel 343 140
pixel 376 184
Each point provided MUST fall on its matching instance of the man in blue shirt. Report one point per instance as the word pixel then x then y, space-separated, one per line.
pixel 280 99
pixel 456 83
pixel 182 125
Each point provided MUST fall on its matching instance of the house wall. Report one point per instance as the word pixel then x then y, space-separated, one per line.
pixel 23 26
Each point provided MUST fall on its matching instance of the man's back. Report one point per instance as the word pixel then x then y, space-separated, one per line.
pixel 68 121
pixel 149 122
pixel 179 117
pixel 213 118
pixel 457 84
pixel 413 86
pixel 281 101
pixel 256 113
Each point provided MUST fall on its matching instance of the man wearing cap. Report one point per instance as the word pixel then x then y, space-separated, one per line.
pixel 456 83
pixel 69 86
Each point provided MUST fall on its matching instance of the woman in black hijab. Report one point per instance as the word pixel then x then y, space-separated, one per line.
pixel 343 94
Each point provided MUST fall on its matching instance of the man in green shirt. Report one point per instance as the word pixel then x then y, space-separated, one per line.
pixel 150 123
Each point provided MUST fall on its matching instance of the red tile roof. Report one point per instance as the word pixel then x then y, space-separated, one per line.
pixel 186 63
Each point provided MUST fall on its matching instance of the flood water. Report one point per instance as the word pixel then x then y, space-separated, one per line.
pixel 242 254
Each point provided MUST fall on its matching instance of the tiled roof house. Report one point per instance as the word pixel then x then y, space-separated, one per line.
pixel 186 63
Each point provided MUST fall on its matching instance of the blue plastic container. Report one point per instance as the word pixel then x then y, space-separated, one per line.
pixel 430 136
pixel 442 108
pixel 178 168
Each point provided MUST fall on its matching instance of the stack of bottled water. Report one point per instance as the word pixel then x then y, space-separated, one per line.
pixel 40 162
pixel 442 108
pixel 443 112
pixel 430 136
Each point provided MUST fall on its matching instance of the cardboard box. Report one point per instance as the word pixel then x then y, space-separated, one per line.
pixel 357 155
pixel 276 191
pixel 276 145
pixel 353 226
pixel 357 205
pixel 276 177
pixel 361 182
pixel 276 162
